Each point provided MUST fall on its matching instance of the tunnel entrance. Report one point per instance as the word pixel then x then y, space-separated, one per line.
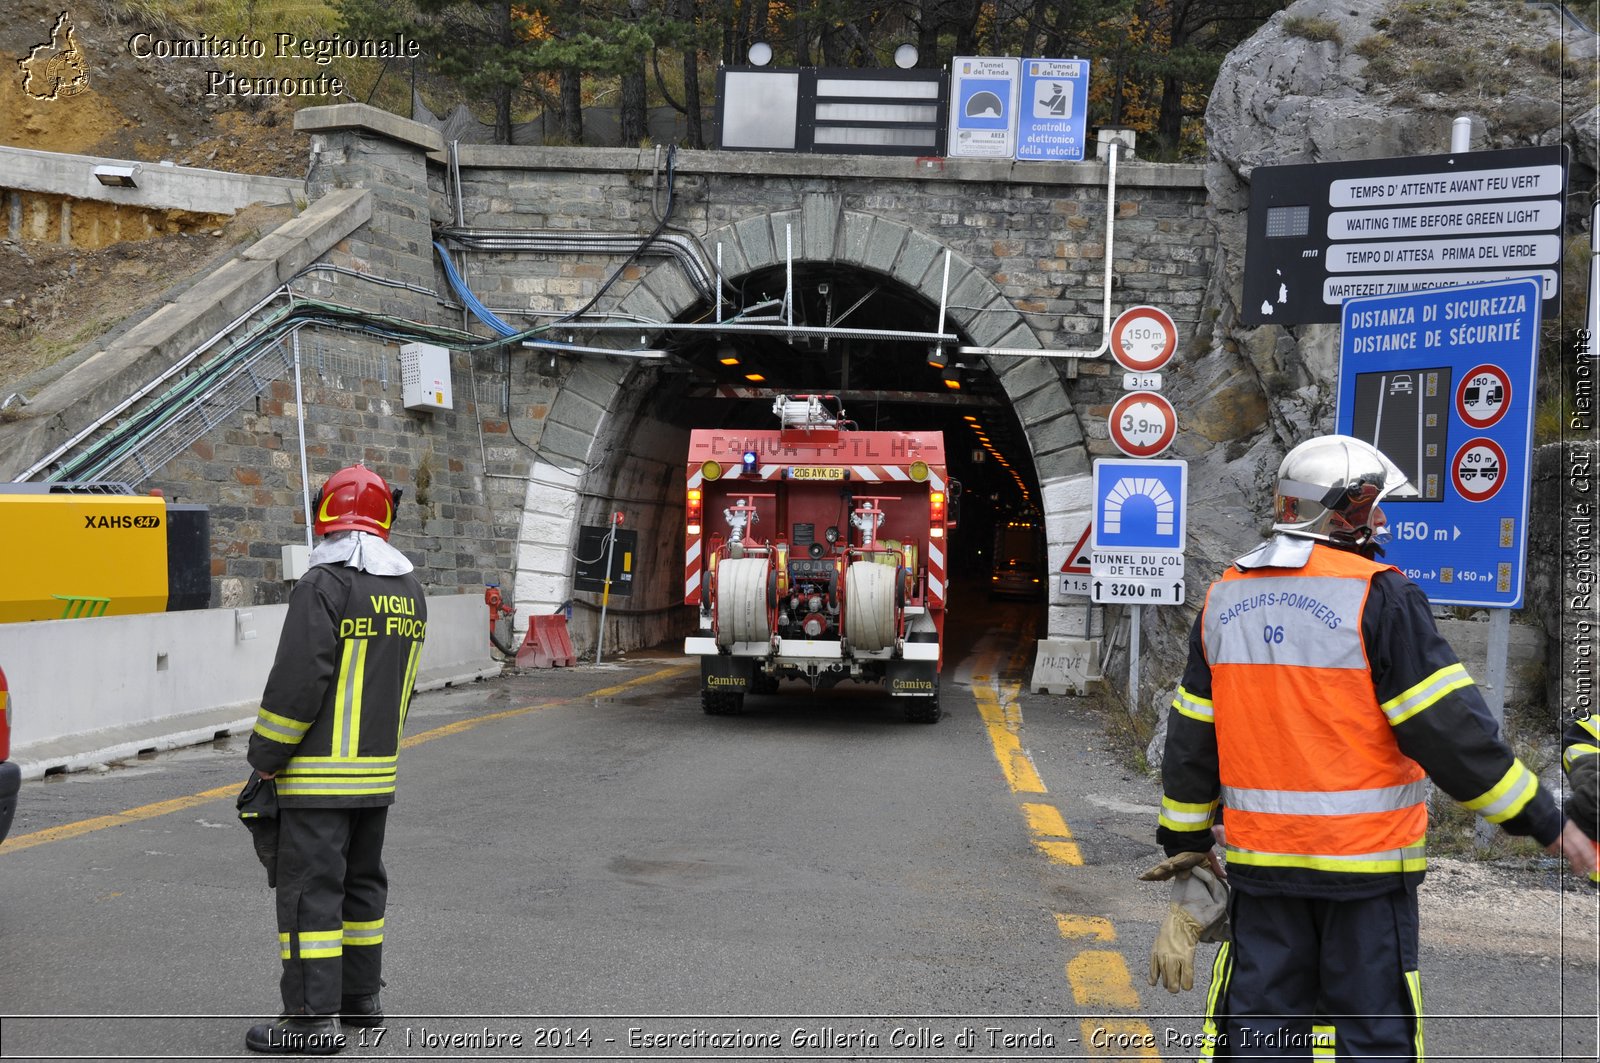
pixel 729 381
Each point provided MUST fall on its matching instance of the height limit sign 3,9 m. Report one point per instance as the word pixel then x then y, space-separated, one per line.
pixel 1442 382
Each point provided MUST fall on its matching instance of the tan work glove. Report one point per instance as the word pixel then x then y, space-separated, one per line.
pixel 1198 912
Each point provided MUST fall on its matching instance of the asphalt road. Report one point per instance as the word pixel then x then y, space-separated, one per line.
pixel 584 865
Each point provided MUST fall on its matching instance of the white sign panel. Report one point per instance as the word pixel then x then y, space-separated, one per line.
pixel 983 107
pixel 1507 182
pixel 1136 564
pixel 1075 584
pixel 1136 591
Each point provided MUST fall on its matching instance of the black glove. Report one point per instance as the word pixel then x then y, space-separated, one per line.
pixel 1583 807
pixel 258 810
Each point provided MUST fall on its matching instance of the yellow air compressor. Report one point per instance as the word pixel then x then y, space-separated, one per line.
pixel 69 551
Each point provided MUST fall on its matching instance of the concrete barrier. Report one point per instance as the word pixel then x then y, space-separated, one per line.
pixel 87 691
pixel 156 186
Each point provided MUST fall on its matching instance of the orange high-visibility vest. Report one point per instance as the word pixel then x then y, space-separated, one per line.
pixel 1312 777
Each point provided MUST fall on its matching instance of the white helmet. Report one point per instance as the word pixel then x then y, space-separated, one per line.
pixel 1329 489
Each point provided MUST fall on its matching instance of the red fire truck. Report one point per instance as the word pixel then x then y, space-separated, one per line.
pixel 816 551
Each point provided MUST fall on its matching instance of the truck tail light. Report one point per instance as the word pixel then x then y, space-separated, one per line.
pixel 693 510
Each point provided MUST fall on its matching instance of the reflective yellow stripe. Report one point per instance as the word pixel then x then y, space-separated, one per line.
pixel 410 686
pixel 347 702
pixel 1221 973
pixel 1414 986
pixel 1408 704
pixel 313 944
pixel 1411 857
pixel 1196 708
pixel 275 728
pixel 1179 815
pixel 1576 752
pixel 1508 796
pixel 365 933
pixel 1323 1042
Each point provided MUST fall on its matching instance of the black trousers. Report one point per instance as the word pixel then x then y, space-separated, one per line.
pixel 332 890
pixel 1350 964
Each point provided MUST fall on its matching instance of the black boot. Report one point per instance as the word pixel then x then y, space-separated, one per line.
pixel 364 1011
pixel 312 1035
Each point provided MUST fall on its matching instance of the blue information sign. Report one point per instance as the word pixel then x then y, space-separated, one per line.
pixel 983 111
pixel 1442 382
pixel 1139 504
pixel 1053 109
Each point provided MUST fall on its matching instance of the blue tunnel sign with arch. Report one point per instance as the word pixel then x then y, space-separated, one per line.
pixel 1140 504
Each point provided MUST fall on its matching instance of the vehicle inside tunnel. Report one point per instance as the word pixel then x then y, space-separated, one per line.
pixel 883 383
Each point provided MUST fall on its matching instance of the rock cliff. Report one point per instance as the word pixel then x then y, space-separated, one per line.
pixel 1337 80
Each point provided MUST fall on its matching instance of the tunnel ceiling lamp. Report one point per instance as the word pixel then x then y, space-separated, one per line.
pixel 727 355
pixel 905 56
pixel 755 378
pixel 760 53
pixel 937 357
pixel 117 176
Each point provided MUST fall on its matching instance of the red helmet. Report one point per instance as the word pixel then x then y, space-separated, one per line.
pixel 356 499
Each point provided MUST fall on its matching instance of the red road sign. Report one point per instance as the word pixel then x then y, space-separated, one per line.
pixel 1077 559
pixel 1478 469
pixel 1143 424
pixel 1484 395
pixel 1143 339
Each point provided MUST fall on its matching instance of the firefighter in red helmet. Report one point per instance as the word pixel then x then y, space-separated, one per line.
pixel 1318 700
pixel 328 737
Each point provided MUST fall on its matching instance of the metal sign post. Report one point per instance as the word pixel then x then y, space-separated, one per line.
pixel 605 595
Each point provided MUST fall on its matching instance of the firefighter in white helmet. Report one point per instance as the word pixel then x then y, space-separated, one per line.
pixel 1318 699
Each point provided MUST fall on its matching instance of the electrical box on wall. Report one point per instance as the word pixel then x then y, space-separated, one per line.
pixel 425 377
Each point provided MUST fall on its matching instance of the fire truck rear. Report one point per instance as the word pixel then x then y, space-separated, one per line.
pixel 817 551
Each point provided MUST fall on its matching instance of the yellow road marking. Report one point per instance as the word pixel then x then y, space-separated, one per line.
pixel 1094 927
pixel 1003 724
pixel 1100 978
pixel 1051 835
pixel 178 804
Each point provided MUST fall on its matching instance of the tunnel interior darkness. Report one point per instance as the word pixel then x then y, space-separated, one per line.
pixel 883 385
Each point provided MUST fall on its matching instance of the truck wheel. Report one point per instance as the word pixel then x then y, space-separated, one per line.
pixel 924 710
pixel 742 600
pixel 869 605
pixel 721 703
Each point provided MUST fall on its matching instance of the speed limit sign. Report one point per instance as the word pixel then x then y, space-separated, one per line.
pixel 1143 339
pixel 1143 424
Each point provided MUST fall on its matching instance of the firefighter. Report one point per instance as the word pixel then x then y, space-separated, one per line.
pixel 328 734
pixel 1581 758
pixel 1317 700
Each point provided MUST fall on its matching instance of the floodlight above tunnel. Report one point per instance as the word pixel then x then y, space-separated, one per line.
pixel 117 176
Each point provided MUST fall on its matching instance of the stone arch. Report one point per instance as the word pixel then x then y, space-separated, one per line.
pixel 595 410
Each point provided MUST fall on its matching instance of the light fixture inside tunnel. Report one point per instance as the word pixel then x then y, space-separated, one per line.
pixel 755 378
pixel 952 377
pixel 726 355
pixel 937 357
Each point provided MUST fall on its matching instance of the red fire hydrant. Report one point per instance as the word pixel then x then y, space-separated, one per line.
pixel 498 609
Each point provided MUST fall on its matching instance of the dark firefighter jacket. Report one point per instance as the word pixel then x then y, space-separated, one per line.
pixel 335 702
pixel 1340 726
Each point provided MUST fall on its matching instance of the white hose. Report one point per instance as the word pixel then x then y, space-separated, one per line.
pixel 869 605
pixel 742 600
